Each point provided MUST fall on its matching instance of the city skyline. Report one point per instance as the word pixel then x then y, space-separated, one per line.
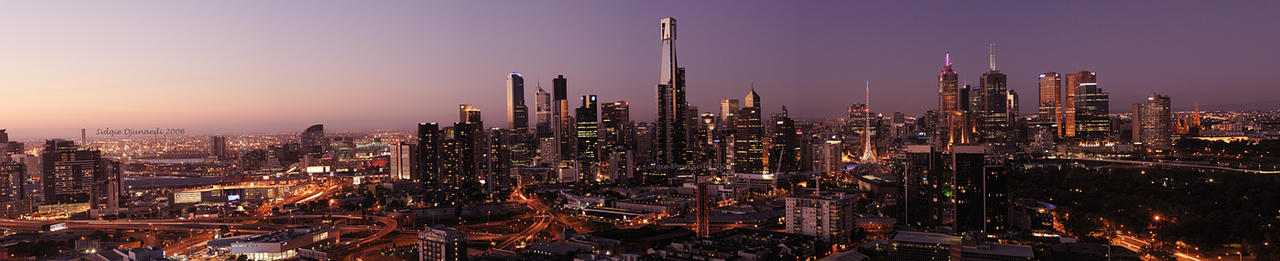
pixel 278 71
pixel 1084 131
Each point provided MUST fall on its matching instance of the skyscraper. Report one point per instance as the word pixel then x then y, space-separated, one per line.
pixel 429 152
pixel 74 175
pixel 470 150
pixel 468 113
pixel 313 142
pixel 826 216
pixel 588 135
pixel 784 156
pixel 542 108
pixel 1050 109
pixel 948 88
pixel 1073 81
pixel 1152 122
pixel 565 131
pixel 1092 108
pixel 670 127
pixel 218 147
pixel 616 126
pixel 992 106
pixel 748 134
pixel 517 112
pixel 400 164
pixel 12 177
pixel 954 124
pixel 727 108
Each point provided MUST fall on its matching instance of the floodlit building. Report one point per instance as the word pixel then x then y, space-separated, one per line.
pixel 441 243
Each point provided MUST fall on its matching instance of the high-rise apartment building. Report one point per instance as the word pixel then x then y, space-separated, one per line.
pixel 75 175
pixel 1152 123
pixel 670 129
pixel 828 216
pixel 429 152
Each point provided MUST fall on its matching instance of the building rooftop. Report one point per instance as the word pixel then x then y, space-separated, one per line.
pixel 1000 250
pixel 926 238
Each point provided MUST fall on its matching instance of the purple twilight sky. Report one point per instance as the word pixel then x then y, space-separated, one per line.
pixel 252 66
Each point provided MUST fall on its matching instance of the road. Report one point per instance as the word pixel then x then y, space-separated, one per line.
pixel 1172 164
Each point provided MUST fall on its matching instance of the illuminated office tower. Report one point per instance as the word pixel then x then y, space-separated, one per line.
pixel 948 88
pixel 400 164
pixel 1152 122
pixel 748 135
pixel 616 127
pixel 1072 82
pixel 469 150
pixel 12 175
pixel 670 127
pixel 1092 108
pixel 429 152
pixel 1050 109
pixel 542 113
pixel 588 135
pixel 963 189
pixel 953 123
pixel 728 107
pixel 992 106
pixel 468 113
pixel 500 153
pixel 926 187
pixel 564 126
pixel 784 154
pixel 517 112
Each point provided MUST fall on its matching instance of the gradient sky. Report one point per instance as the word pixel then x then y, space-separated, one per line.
pixel 252 66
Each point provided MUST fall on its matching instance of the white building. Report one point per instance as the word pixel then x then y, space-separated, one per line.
pixel 401 161
pixel 283 244
pixel 829 217
pixel 441 243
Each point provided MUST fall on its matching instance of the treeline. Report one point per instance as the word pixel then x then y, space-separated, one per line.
pixel 1206 210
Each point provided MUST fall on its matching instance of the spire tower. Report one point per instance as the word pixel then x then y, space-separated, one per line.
pixel 868 149
pixel 991 51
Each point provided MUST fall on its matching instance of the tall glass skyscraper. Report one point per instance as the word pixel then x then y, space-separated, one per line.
pixel 1092 107
pixel 1073 81
pixel 992 105
pixel 542 113
pixel 1050 108
pixel 517 112
pixel 670 128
